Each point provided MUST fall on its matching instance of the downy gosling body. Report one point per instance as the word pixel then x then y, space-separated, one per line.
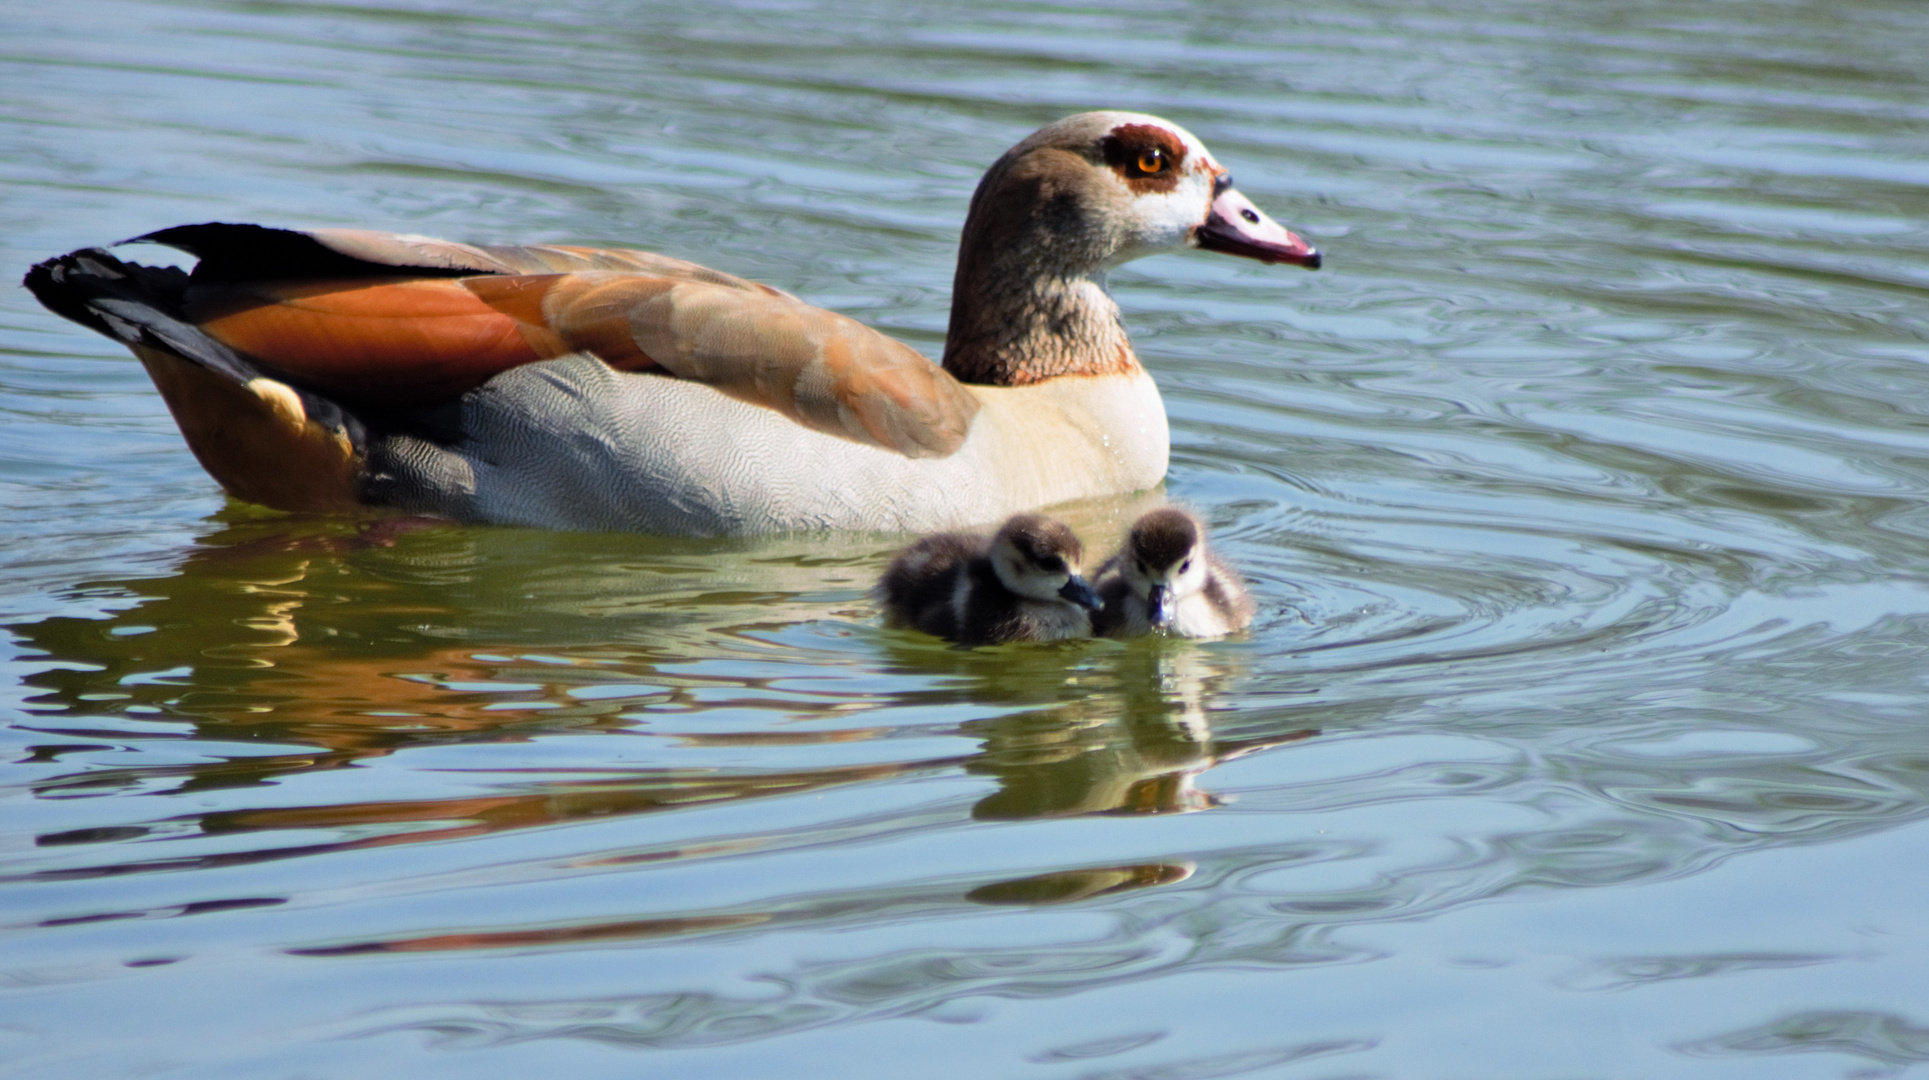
pixel 1022 584
pixel 1165 579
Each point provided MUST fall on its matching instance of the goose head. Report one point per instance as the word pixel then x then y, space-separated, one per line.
pixel 1070 202
pixel 1099 189
pixel 1164 562
pixel 1037 558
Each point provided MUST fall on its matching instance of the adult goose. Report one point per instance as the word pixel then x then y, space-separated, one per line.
pixel 578 388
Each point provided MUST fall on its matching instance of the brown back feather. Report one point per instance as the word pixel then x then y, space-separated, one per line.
pixel 407 320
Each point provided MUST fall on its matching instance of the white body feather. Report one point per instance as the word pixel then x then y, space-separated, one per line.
pixel 1195 616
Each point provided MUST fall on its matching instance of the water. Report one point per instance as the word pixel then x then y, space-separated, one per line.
pixel 1581 733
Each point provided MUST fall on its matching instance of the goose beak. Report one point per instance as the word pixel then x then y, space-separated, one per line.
pixel 1078 592
pixel 1160 607
pixel 1237 227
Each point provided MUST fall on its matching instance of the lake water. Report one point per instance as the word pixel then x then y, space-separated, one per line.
pixel 1584 731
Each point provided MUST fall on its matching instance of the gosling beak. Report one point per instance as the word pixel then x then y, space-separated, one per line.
pixel 1160 607
pixel 1237 227
pixel 1080 593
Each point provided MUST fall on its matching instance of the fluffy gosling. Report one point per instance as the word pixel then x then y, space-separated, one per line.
pixel 1165 579
pixel 1022 584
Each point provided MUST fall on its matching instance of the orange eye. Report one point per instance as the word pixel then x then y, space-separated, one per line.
pixel 1151 160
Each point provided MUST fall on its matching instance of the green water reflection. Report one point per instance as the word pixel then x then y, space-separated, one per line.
pixel 323 646
pixel 1580 732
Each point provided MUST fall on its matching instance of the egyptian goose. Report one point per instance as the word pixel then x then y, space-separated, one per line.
pixel 1022 584
pixel 580 388
pixel 1166 579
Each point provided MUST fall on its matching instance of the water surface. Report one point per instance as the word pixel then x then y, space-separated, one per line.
pixel 1581 732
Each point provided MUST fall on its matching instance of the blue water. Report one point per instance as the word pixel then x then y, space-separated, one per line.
pixel 1581 734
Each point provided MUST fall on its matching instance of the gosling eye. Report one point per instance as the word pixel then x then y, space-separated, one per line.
pixel 1184 566
pixel 1151 161
pixel 1052 565
pixel 1142 571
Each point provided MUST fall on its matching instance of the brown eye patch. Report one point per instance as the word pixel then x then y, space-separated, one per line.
pixel 1147 157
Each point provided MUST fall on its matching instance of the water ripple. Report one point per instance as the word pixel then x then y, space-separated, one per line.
pixel 1580 493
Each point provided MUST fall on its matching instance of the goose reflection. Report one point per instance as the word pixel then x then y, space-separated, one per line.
pixel 329 645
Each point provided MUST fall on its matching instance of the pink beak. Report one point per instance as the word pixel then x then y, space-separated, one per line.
pixel 1237 227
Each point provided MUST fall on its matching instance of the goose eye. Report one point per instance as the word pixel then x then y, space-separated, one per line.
pixel 1141 567
pixel 1184 566
pixel 1151 161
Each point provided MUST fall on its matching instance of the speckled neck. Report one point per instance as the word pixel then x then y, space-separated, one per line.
pixel 1042 330
pixel 1029 302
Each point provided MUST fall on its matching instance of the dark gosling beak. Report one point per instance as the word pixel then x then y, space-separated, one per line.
pixel 1081 594
pixel 1160 607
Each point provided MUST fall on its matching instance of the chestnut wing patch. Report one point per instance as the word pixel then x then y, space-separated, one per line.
pixel 399 340
pixel 387 342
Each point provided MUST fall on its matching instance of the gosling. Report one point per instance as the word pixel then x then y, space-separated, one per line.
pixel 1022 584
pixel 1167 580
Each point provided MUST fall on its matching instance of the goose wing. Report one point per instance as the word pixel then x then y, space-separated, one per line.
pixel 393 322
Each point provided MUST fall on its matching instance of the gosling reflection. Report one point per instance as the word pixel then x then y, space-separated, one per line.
pixel 1071 886
pixel 1137 748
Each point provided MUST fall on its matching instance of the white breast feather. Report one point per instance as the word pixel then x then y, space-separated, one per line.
pixel 570 443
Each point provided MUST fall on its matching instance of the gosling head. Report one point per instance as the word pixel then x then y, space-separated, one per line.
pixel 1037 558
pixel 1165 561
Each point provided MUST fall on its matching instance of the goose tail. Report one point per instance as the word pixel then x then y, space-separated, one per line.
pixel 263 439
